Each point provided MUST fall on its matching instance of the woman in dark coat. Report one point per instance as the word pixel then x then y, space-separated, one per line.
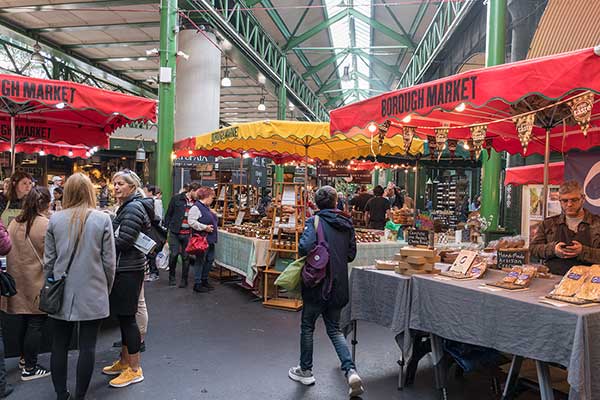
pixel 131 220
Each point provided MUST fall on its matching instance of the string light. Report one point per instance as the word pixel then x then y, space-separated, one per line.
pixel 407 119
pixel 461 107
pixel 466 145
pixel 70 153
pixel 372 127
pixel 42 152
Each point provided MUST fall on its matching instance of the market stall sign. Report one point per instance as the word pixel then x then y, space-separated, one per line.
pixel 508 258
pixel 334 172
pixel 418 237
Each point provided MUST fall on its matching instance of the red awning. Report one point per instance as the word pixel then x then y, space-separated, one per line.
pixel 63 111
pixel 534 174
pixel 489 95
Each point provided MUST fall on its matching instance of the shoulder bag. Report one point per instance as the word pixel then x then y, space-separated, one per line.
pixel 52 293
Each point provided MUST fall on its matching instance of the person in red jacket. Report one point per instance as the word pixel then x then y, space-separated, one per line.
pixel 5 246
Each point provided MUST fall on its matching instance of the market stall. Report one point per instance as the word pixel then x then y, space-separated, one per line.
pixel 49 112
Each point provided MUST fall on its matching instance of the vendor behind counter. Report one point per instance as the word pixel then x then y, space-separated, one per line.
pixel 571 238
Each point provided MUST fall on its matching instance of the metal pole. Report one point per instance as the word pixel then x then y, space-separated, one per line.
pixel 546 174
pixel 282 98
pixel 13 143
pixel 166 95
pixel 416 186
pixel 306 167
pixel 495 55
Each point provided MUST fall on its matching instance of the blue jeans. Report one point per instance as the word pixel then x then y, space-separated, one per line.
pixel 331 317
pixel 204 264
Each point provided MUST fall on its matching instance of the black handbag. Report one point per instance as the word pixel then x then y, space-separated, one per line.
pixel 52 293
pixel 8 288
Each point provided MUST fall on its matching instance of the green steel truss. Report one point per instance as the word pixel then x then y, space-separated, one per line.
pixel 447 17
pixel 239 26
pixel 16 50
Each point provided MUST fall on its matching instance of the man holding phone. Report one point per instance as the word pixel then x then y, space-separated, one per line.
pixel 571 238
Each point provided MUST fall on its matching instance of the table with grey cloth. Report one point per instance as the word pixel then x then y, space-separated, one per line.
pixel 240 254
pixel 367 253
pixel 381 297
pixel 512 322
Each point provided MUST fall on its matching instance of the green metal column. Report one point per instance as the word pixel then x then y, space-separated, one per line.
pixel 166 96
pixel 495 55
pixel 279 169
pixel 282 98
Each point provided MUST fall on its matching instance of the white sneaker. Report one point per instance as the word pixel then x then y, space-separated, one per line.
pixel 305 377
pixel 355 383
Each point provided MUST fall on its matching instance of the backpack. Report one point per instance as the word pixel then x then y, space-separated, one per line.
pixel 317 261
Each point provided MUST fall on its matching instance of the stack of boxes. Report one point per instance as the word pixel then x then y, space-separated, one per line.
pixel 415 260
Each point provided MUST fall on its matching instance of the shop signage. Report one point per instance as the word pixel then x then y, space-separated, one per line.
pixel 585 169
pixel 25 130
pixel 334 171
pixel 361 177
pixel 191 161
pixel 418 237
pixel 452 91
pixel 224 134
pixel 581 107
pixel 508 258
pixel 37 91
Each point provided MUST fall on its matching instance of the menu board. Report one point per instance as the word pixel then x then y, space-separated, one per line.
pixel 508 258
pixel 464 261
pixel 417 237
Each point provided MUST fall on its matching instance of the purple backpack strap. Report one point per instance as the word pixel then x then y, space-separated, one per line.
pixel 326 291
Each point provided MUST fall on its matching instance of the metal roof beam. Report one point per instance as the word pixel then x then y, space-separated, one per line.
pixel 296 40
pixel 325 63
pixel 378 26
pixel 74 6
pixel 104 27
pixel 104 45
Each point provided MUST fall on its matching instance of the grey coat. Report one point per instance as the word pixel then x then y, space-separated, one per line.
pixel 92 273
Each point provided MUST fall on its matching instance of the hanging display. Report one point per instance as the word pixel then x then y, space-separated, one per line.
pixel 441 137
pixel 408 133
pixel 431 142
pixel 478 133
pixel 524 125
pixel 581 107
pixel 452 145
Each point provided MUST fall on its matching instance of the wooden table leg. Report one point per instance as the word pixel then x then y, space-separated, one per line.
pixel 513 376
pixel 543 375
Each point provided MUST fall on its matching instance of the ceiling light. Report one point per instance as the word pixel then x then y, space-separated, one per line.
pixel 226 82
pixel 346 76
pixel 372 127
pixel 291 106
pixel 261 79
pixel 261 105
pixel 183 54
pixel 406 119
pixel 152 52
pixel 36 57
pixel 60 106
pixel 70 153
pixel 461 107
pixel 190 152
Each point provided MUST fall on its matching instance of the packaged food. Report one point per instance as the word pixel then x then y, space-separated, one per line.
pixel 526 276
pixel 572 281
pixel 513 275
pixel 478 269
pixel 590 290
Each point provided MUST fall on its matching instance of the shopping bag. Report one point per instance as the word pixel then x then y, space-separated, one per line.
pixel 291 276
pixel 197 245
pixel 162 258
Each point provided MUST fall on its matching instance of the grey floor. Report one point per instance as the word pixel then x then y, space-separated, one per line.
pixel 224 345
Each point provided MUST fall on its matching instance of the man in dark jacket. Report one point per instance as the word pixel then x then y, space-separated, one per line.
pixel 339 234
pixel 179 233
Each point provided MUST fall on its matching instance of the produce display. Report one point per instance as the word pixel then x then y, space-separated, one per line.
pixel 249 230
pixel 581 285
pixel 403 216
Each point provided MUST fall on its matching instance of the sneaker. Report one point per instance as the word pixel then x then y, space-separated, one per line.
pixel 305 377
pixel 127 378
pixel 152 278
pixel 8 389
pixel 34 373
pixel 355 383
pixel 115 369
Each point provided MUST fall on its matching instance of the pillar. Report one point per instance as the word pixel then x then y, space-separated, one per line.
pixel 198 85
pixel 282 97
pixel 166 96
pixel 495 54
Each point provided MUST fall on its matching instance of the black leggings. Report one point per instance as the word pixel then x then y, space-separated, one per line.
pixel 32 338
pixel 130 333
pixel 88 333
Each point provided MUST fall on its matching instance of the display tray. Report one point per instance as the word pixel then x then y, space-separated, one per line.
pixel 507 286
pixel 571 300
pixel 456 275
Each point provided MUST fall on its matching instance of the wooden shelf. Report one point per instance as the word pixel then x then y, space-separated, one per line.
pixel 284 304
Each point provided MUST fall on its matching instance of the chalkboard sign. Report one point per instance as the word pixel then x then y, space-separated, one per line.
pixel 512 257
pixel 417 237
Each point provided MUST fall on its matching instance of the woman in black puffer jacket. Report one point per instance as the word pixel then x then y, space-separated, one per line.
pixel 130 221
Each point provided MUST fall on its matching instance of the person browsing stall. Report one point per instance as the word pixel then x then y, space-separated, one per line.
pixel 571 238
pixel 377 210
pixel 203 220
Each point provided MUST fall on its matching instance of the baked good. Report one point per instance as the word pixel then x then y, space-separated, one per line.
pixel 572 281
pixel 526 276
pixel 513 275
pixel 590 290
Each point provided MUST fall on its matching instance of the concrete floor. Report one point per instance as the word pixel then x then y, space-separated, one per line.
pixel 224 345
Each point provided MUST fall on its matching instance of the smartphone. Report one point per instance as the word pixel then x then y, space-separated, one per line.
pixel 570 244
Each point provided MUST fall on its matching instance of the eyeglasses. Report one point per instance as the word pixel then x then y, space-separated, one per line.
pixel 570 201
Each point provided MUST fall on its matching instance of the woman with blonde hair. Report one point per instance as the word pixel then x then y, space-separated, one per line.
pixel 132 218
pixel 79 240
pixel 24 262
